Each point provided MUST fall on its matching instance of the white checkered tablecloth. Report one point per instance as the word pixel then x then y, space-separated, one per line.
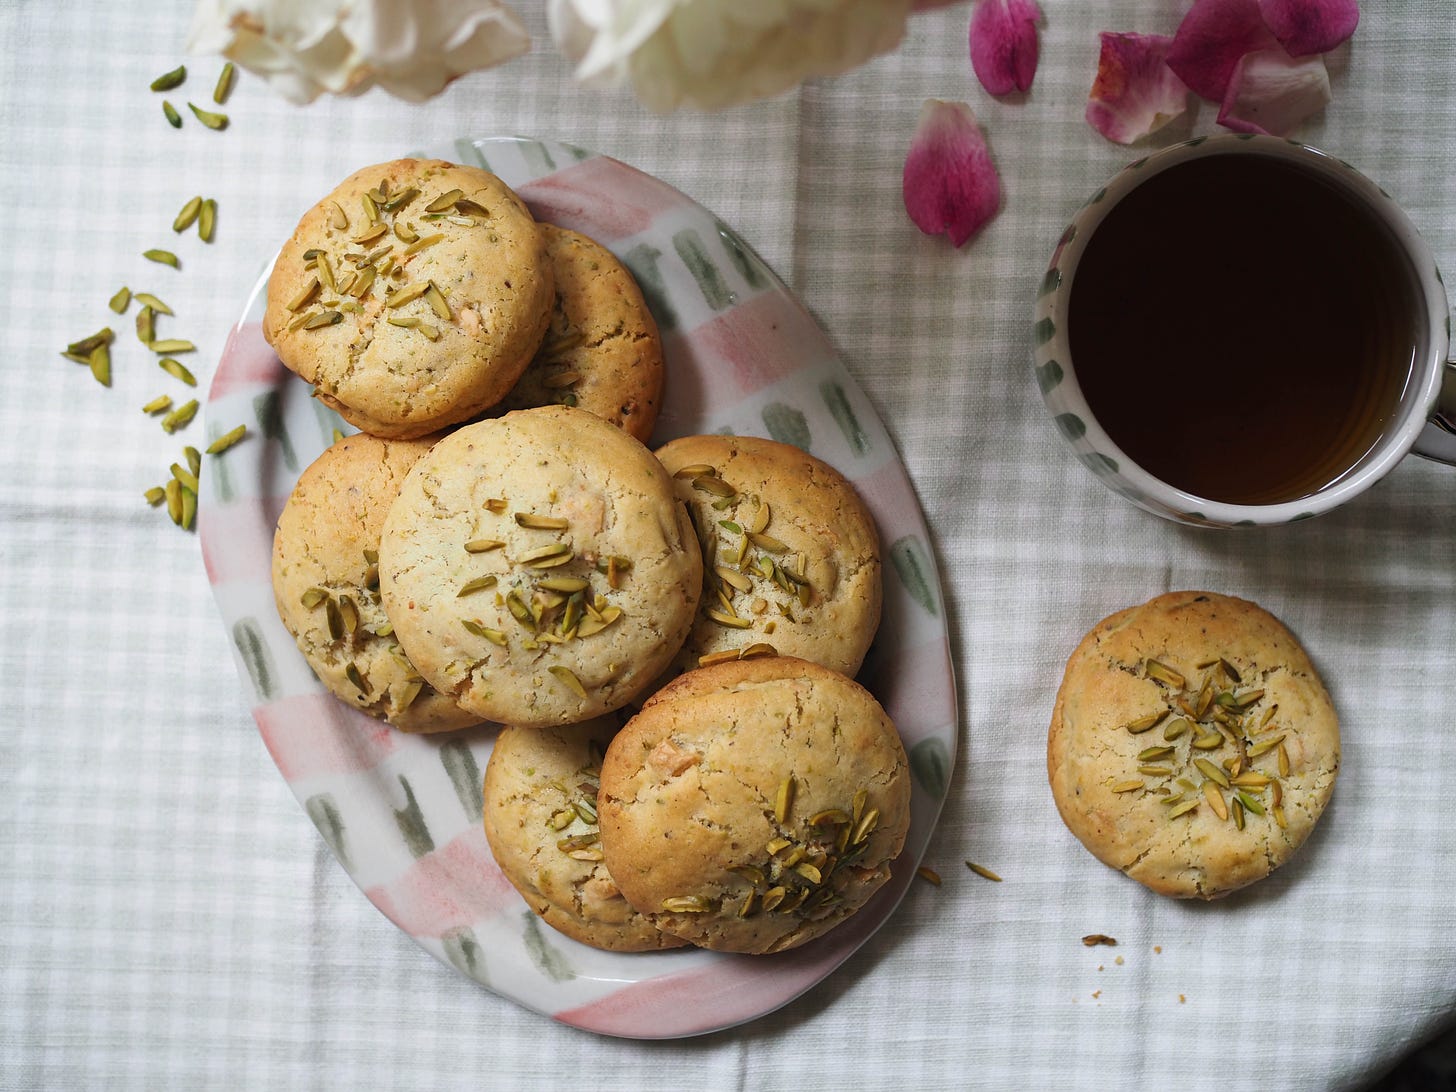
pixel 169 917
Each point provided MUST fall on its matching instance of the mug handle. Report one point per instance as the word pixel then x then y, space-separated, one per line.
pixel 1438 439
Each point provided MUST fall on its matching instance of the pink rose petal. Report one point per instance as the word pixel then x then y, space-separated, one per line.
pixel 1310 26
pixel 1272 92
pixel 1212 38
pixel 1004 44
pixel 951 187
pixel 1135 91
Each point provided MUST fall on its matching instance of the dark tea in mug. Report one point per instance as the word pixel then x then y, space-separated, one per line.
pixel 1243 329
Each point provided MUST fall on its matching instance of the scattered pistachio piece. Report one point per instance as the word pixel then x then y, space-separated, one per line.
pixel 169 111
pixel 158 404
pixel 177 370
pixel 83 348
pixel 227 440
pixel 168 80
pixel 173 494
pixel 983 871
pixel 188 216
pixel 162 257
pixel 101 365
pixel 173 345
pixel 224 86
pixel 121 301
pixel 194 459
pixel 146 326
pixel 180 417
pixel 185 476
pixel 208 118
pixel 155 495
pixel 149 300
pixel 207 220
pixel 929 875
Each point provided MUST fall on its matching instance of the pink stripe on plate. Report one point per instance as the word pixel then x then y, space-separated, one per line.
pixel 247 360
pixel 890 496
pixel 761 341
pixel 455 885
pixel 238 544
pixel 912 689
pixel 602 198
pixel 315 734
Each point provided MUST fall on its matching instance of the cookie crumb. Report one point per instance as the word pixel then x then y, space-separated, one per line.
pixel 1157 949
pixel 1182 1000
pixel 1091 940
pixel 1118 961
pixel 1096 994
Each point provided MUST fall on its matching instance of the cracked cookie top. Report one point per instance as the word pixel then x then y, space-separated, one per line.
pixel 413 296
pixel 326 583
pixel 541 821
pixel 1192 745
pixel 791 559
pixel 537 567
pixel 602 352
pixel 752 806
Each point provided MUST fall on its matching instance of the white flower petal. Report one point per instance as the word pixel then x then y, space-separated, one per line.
pixel 412 48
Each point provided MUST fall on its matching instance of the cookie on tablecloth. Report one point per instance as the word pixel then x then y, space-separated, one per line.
pixel 752 806
pixel 791 558
pixel 541 822
pixel 602 352
pixel 326 583
pixel 1192 745
pixel 538 568
pixel 413 296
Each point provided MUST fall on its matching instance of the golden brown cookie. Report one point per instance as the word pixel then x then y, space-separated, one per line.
pixel 602 352
pixel 540 818
pixel 537 567
pixel 413 296
pixel 753 805
pixel 790 555
pixel 1192 745
pixel 326 583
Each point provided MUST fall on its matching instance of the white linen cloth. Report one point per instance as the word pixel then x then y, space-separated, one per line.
pixel 170 918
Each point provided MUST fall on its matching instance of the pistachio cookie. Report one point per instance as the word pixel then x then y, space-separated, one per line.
pixel 1192 745
pixel 753 805
pixel 602 352
pixel 537 567
pixel 541 821
pixel 326 583
pixel 412 297
pixel 791 560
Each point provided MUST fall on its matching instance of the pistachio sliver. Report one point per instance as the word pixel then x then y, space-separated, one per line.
pixel 169 112
pixel 173 345
pixel 162 257
pixel 168 80
pixel 208 118
pixel 188 216
pixel 146 299
pixel 207 220
pixel 100 362
pixel 121 301
pixel 158 404
pixel 224 86
pixel 568 679
pixel 227 440
pixel 177 370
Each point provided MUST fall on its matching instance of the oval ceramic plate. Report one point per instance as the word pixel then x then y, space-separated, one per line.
pixel 402 813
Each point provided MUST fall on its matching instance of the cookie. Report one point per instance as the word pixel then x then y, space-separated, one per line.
pixel 413 296
pixel 753 805
pixel 537 567
pixel 791 558
pixel 326 583
pixel 540 819
pixel 1192 745
pixel 602 352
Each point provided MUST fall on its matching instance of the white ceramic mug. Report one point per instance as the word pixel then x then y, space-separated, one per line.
pixel 1423 421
